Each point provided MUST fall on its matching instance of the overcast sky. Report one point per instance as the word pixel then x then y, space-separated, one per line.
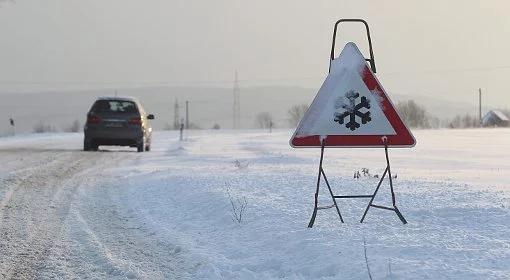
pixel 438 48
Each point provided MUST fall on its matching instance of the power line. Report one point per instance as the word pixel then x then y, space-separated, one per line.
pixel 205 82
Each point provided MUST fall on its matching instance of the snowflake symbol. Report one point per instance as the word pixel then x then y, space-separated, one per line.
pixel 352 110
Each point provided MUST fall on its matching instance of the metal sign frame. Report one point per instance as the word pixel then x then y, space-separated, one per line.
pixel 371 51
pixel 387 171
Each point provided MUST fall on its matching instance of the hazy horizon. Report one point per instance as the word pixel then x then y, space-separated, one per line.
pixel 208 105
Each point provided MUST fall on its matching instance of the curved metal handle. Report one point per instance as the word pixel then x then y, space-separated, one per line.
pixel 371 59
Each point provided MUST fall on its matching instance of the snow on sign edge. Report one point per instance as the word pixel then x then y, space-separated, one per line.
pixel 351 59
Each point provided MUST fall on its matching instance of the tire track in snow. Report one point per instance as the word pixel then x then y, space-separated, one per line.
pixel 62 217
pixel 16 177
pixel 126 246
pixel 33 210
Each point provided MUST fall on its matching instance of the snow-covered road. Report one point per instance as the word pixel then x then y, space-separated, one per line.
pixel 59 217
pixel 118 214
pixel 37 195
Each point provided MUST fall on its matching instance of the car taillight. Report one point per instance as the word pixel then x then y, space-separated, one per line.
pixel 93 119
pixel 136 121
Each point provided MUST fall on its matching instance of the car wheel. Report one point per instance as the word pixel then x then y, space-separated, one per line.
pixel 140 147
pixel 94 147
pixel 86 145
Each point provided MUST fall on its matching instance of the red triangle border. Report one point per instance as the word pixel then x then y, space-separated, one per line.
pixel 402 138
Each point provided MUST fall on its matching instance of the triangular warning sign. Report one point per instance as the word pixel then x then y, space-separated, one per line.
pixel 351 109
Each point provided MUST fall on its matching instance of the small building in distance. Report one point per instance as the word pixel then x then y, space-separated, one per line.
pixel 495 118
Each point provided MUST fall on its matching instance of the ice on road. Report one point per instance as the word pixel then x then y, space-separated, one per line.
pixel 166 214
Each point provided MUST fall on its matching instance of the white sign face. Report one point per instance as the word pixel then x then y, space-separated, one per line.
pixel 344 104
pixel 351 109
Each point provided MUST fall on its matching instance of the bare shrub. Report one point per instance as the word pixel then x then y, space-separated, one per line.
pixel 465 121
pixel 238 207
pixel 41 127
pixel 73 127
pixel 413 114
pixel 264 120
pixel 240 164
pixel 296 113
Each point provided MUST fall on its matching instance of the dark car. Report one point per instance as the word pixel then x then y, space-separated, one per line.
pixel 117 121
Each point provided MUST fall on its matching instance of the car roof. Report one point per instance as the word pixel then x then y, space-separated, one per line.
pixel 119 98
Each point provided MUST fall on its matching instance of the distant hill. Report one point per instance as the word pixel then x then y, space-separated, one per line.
pixel 208 105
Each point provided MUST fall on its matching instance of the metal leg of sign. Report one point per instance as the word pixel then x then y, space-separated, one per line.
pixel 370 204
pixel 314 214
pixel 332 196
pixel 316 207
pixel 387 172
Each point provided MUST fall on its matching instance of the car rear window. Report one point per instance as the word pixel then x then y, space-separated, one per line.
pixel 114 106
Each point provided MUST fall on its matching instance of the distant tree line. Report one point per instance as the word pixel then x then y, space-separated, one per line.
pixel 413 114
pixel 42 127
pixel 464 121
pixel 296 113
pixel 264 120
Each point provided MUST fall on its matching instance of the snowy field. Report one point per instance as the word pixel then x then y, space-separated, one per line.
pixel 166 214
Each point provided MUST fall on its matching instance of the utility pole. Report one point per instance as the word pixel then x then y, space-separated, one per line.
pixel 181 128
pixel 176 114
pixel 187 114
pixel 237 107
pixel 480 105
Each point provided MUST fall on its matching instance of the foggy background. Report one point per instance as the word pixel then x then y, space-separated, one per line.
pixel 56 57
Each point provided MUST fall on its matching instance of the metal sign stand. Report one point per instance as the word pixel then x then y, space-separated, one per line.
pixel 387 171
pixel 316 207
